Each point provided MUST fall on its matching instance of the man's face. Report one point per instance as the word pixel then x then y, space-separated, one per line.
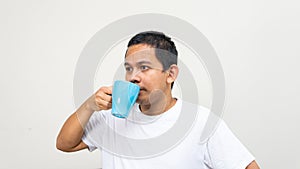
pixel 144 69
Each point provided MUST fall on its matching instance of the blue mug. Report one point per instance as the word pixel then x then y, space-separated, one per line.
pixel 124 95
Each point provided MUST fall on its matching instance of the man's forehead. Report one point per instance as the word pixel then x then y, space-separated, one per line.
pixel 140 58
pixel 140 53
pixel 139 48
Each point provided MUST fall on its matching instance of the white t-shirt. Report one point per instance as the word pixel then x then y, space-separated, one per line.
pixel 167 141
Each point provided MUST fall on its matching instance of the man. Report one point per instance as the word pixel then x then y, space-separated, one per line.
pixel 151 63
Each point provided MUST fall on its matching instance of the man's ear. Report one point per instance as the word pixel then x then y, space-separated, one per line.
pixel 172 73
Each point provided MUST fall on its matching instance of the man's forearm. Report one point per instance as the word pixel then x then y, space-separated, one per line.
pixel 72 130
pixel 69 138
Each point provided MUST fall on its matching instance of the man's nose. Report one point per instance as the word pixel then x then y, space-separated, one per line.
pixel 135 77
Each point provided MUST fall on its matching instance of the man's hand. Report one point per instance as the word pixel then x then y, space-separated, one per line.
pixel 101 100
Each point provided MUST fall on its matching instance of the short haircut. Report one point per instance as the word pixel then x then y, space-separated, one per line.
pixel 165 49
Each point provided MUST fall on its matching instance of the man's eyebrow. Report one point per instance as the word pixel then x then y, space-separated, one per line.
pixel 138 63
pixel 143 62
pixel 126 64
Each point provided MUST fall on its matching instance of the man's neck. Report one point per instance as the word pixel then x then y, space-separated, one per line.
pixel 159 106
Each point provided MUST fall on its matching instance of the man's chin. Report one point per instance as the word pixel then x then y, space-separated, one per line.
pixel 142 101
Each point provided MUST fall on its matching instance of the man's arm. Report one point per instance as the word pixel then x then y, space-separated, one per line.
pixel 70 135
pixel 253 165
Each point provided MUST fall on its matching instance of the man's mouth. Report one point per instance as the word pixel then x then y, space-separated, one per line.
pixel 142 90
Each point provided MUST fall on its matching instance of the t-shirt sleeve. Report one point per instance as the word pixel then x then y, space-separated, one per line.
pixel 90 145
pixel 92 129
pixel 225 151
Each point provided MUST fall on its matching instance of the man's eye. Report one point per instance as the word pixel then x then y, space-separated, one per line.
pixel 145 67
pixel 128 69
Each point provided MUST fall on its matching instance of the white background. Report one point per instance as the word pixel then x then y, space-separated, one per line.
pixel 257 43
